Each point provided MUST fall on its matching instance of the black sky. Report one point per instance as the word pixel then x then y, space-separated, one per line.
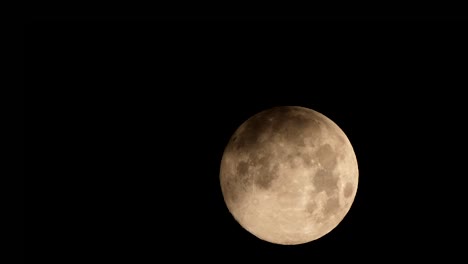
pixel 130 119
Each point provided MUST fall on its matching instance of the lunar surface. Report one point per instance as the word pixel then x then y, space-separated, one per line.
pixel 289 175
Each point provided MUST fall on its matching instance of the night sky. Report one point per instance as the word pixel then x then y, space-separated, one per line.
pixel 129 120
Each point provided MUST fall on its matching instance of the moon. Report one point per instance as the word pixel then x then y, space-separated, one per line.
pixel 289 175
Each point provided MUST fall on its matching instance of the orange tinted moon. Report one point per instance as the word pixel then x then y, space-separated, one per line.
pixel 289 175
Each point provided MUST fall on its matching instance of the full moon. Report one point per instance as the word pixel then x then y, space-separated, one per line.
pixel 289 175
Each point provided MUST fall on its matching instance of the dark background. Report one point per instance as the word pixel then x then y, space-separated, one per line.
pixel 128 120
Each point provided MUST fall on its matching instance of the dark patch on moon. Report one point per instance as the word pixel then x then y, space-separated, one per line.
pixel 254 127
pixel 266 176
pixel 341 139
pixel 230 186
pixel 306 159
pixel 301 122
pixel 324 180
pixel 290 123
pixel 310 207
pixel 260 158
pixel 234 138
pixel 242 168
pixel 242 176
pixel 257 170
pixel 326 157
pixel 293 136
pixel 331 206
pixel 292 159
pixel 348 190
pixel 229 189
